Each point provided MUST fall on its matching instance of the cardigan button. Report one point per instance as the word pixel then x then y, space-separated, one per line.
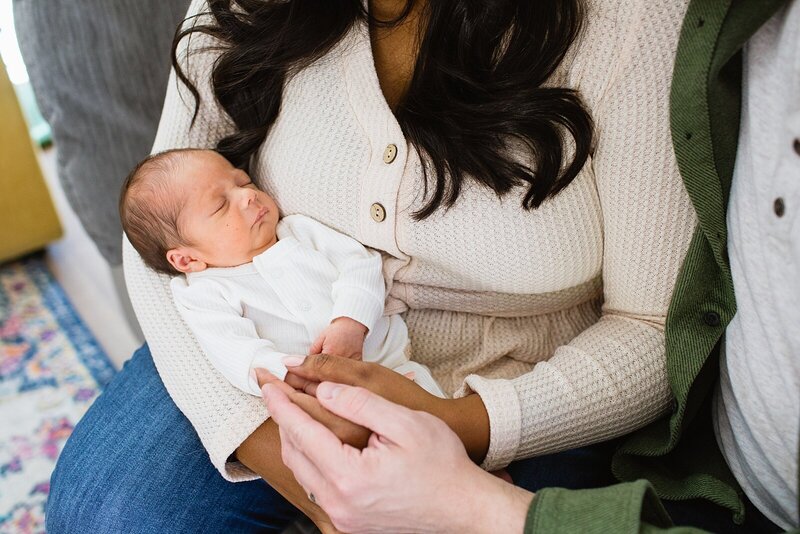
pixel 712 319
pixel 389 153
pixel 377 212
pixel 797 146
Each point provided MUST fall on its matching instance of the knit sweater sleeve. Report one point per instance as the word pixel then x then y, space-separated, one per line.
pixel 612 378
pixel 222 415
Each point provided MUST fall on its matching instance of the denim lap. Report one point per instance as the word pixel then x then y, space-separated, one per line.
pixel 135 464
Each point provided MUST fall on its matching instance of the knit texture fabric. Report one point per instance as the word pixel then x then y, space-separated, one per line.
pixel 498 300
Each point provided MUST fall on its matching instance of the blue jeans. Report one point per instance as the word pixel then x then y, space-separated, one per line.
pixel 134 464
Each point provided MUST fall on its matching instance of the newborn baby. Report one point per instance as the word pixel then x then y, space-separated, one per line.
pixel 258 287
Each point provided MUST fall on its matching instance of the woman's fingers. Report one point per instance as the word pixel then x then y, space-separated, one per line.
pixel 301 384
pixel 322 367
pixel 392 421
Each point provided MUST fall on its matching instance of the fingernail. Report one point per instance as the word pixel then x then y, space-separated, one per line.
pixel 293 361
pixel 327 390
pixel 253 375
pixel 265 389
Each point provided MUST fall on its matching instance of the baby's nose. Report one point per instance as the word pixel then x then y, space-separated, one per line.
pixel 248 196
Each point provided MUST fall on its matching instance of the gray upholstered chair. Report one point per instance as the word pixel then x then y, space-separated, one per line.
pixel 99 69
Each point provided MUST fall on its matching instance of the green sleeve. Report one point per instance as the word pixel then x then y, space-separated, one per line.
pixel 627 507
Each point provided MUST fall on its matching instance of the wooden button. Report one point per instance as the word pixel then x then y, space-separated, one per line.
pixel 377 212
pixel 389 153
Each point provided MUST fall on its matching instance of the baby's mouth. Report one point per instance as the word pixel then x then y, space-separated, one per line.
pixel 260 215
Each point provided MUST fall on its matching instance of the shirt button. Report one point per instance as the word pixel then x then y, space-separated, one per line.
pixel 305 306
pixel 377 212
pixel 797 146
pixel 389 153
pixel 779 207
pixel 711 319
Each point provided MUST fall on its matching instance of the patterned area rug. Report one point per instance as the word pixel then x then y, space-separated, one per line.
pixel 51 370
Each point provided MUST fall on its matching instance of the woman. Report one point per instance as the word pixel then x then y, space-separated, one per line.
pixel 527 247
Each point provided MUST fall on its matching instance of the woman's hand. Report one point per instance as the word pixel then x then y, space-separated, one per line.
pixel 466 416
pixel 414 475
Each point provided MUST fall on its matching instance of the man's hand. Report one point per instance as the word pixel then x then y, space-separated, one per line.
pixel 344 337
pixel 413 476
pixel 347 431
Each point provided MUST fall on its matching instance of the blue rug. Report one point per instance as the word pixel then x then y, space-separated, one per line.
pixel 51 370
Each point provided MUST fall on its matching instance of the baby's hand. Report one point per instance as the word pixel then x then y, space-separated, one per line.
pixel 344 337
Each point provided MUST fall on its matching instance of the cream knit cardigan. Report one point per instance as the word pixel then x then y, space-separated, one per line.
pixel 555 317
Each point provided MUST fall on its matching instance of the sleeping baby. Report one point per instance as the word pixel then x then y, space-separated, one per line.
pixel 258 287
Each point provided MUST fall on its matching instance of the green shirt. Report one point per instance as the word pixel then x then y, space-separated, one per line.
pixel 677 456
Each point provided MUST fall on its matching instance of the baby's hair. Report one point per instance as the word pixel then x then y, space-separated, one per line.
pixel 148 210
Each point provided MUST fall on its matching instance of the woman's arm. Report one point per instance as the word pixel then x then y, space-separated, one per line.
pixel 612 378
pixel 261 453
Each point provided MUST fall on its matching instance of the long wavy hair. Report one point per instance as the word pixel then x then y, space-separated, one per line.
pixel 478 86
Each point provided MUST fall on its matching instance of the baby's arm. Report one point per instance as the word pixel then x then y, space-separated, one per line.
pixel 229 340
pixel 359 292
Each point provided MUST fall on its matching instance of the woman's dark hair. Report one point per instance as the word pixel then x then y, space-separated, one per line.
pixel 477 89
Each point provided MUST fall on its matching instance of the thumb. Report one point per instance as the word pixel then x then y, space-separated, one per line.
pixel 391 421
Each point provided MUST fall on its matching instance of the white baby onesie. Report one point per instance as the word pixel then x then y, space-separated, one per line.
pixel 254 314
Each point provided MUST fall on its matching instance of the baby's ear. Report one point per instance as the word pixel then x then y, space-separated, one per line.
pixel 184 261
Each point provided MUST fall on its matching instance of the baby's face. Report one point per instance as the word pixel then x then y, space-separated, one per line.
pixel 227 220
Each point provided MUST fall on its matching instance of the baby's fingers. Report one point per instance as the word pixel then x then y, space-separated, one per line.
pixel 316 347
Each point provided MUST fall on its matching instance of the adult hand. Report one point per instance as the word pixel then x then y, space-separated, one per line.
pixel 414 475
pixel 466 416
pixel 346 431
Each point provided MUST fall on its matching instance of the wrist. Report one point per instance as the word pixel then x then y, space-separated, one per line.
pixel 493 505
pixel 468 418
pixel 349 323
